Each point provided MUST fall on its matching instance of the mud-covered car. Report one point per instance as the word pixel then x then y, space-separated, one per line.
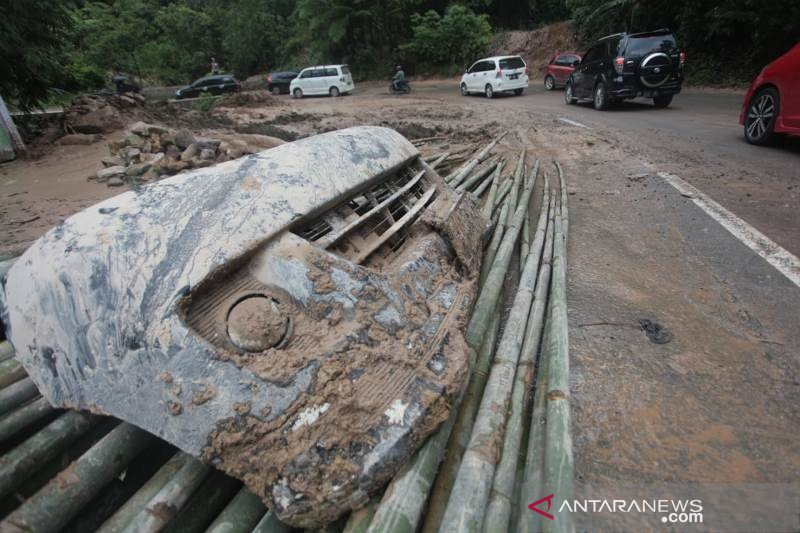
pixel 293 318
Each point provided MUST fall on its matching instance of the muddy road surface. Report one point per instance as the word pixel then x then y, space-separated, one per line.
pixel 709 392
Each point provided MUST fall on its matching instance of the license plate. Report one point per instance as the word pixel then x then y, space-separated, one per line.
pixel 513 76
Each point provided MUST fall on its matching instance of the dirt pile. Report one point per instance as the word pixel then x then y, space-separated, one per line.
pixel 149 152
pixel 94 113
pixel 248 99
pixel 536 47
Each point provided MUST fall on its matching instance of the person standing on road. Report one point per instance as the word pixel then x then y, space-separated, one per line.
pixel 399 79
pixel 214 65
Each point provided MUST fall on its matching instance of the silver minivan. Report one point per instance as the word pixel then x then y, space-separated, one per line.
pixel 332 80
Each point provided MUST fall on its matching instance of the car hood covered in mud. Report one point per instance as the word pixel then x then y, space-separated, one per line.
pixel 293 318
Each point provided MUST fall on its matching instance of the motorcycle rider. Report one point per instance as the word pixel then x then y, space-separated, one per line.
pixel 399 80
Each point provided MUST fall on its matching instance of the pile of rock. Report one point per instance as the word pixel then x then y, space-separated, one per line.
pixel 149 152
pixel 96 113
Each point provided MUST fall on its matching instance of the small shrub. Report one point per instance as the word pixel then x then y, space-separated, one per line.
pixel 205 103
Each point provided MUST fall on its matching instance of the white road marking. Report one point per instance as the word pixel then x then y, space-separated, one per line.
pixel 784 261
pixel 573 123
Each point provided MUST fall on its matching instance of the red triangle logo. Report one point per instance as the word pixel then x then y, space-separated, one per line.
pixel 549 500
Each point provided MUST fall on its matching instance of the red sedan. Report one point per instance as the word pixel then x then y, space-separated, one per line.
pixel 559 69
pixel 772 104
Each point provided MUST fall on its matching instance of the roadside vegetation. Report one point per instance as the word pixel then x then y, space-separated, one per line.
pixel 76 45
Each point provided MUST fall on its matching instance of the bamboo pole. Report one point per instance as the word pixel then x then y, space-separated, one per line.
pixel 17 394
pixel 494 243
pixel 526 225
pixel 241 515
pixel 270 524
pixel 205 502
pixel 6 350
pixel 172 496
pixel 458 176
pixel 439 160
pixel 56 503
pixel 24 417
pixel 359 520
pixel 470 494
pixel 459 436
pixel 10 372
pixel 478 175
pixel 490 184
pixel 22 461
pixel 518 177
pixel 490 293
pixel 498 515
pixel 558 439
pixel 126 513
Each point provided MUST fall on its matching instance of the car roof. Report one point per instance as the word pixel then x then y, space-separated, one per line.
pixel 326 66
pixel 499 57
pixel 662 31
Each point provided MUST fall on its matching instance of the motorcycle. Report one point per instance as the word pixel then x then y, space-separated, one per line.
pixel 404 88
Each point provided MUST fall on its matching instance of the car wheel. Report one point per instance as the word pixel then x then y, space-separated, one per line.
pixel 276 90
pixel 518 92
pixel 569 97
pixel 549 83
pixel 488 91
pixel 298 93
pixel 662 101
pixel 334 92
pixel 759 124
pixel 464 91
pixel 600 96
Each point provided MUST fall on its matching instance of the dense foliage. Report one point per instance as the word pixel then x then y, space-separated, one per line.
pixel 78 44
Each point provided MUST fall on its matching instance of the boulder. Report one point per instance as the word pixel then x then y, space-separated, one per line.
pixel 112 161
pixel 207 154
pixel 206 143
pixel 190 153
pixel 115 181
pixel 138 169
pixel 173 152
pixel 131 155
pixel 143 129
pixel 150 175
pixel 167 138
pixel 107 173
pixel 183 138
pixel 131 139
pixel 92 114
pixel 152 158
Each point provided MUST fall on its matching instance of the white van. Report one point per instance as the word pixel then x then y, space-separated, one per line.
pixel 326 79
pixel 495 75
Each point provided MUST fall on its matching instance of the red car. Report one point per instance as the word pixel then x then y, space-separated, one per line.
pixel 559 69
pixel 772 104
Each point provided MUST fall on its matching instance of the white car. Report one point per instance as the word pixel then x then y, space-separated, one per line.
pixel 332 80
pixel 497 74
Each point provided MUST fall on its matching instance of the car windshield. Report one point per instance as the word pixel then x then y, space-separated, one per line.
pixel 511 63
pixel 643 45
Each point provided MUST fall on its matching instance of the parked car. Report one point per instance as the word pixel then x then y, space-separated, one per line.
pixel 772 104
pixel 559 69
pixel 332 80
pixel 493 75
pixel 623 66
pixel 278 82
pixel 217 84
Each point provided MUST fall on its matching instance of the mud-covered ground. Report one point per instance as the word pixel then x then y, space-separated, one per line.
pixel 719 403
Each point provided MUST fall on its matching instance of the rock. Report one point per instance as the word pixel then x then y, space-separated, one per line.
pixel 151 175
pixel 183 138
pixel 107 173
pixel 143 129
pixel 137 169
pixel 115 181
pixel 152 158
pixel 112 161
pixel 167 138
pixel 206 143
pixel 237 148
pixel 207 154
pixel 131 139
pixel 172 167
pixel 147 147
pixel 190 153
pixel 173 152
pixel 77 139
pixel 92 114
pixel 131 155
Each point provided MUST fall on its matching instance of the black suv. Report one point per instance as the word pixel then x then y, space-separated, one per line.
pixel 624 66
pixel 217 84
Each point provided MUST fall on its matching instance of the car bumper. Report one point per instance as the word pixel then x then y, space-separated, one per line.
pixel 628 91
pixel 510 85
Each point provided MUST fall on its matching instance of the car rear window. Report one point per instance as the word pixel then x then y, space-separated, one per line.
pixel 345 70
pixel 511 63
pixel 642 45
pixel 331 72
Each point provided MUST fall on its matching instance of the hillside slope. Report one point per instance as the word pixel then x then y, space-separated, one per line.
pixel 537 47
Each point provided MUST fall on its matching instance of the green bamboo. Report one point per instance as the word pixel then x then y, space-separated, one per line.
pixel 10 372
pixel 24 417
pixel 439 160
pixel 498 515
pixel 490 293
pixel 459 435
pixel 558 439
pixel 172 496
pixel 56 503
pixel 25 459
pixel 241 515
pixel 17 394
pixel 494 244
pixel 458 176
pixel 480 173
pixel 526 225
pixel 470 494
pixel 480 189
pixel 514 194
pixel 270 524
pixel 506 182
pixel 432 157
pixel 6 351
pixel 359 520
pixel 204 504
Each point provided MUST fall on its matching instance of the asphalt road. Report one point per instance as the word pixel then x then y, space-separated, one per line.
pixel 698 138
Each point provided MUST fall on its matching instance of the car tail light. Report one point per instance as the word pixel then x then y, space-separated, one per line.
pixel 619 64
pixel 498 73
pixel 683 58
pixel 527 72
pixel 269 78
